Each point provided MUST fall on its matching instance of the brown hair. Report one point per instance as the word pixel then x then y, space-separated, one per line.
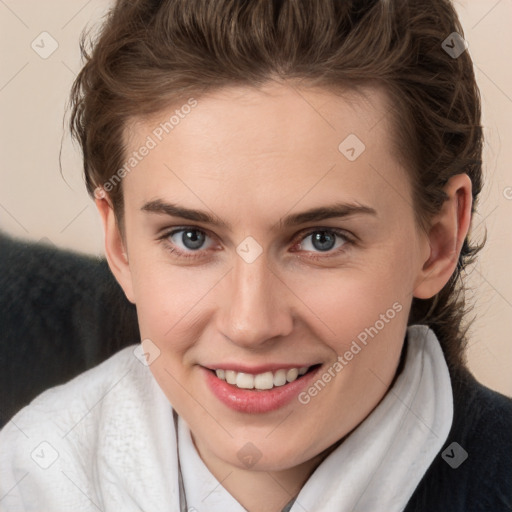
pixel 150 54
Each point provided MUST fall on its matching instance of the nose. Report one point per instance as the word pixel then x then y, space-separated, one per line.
pixel 254 309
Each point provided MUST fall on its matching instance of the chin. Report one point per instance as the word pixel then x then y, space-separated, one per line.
pixel 249 457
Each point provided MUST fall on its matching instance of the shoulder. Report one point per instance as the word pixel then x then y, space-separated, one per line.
pixel 473 470
pixel 63 405
pixel 62 429
pixel 483 421
pixel 66 307
pixel 484 424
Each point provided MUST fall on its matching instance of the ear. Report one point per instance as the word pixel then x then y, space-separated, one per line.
pixel 446 235
pixel 115 247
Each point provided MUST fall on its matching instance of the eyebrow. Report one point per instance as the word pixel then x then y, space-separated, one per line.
pixel 337 210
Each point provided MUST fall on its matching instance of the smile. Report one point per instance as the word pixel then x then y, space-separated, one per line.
pixel 261 392
pixel 261 381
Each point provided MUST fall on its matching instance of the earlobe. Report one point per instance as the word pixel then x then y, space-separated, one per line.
pixel 115 247
pixel 445 237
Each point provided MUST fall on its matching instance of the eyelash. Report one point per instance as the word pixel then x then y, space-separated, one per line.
pixel 348 240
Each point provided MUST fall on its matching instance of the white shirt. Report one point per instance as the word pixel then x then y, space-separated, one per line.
pixel 107 441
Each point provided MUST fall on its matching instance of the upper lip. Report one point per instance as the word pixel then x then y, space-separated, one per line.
pixel 257 369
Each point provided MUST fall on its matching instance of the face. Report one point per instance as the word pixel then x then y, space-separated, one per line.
pixel 263 239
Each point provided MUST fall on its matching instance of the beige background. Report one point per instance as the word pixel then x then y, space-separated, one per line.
pixel 37 202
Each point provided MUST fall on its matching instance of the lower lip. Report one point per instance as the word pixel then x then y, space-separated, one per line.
pixel 256 401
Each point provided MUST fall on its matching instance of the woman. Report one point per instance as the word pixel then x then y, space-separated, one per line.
pixel 286 189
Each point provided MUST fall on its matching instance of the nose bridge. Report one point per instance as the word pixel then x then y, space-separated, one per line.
pixel 254 310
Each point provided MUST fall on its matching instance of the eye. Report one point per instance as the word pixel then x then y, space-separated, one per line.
pixel 324 241
pixel 184 241
pixel 192 242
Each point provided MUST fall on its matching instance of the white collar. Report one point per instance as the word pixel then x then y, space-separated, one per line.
pixel 112 432
pixel 380 463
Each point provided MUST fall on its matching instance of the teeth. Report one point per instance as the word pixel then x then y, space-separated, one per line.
pixel 244 381
pixel 230 377
pixel 262 381
pixel 280 378
pixel 292 374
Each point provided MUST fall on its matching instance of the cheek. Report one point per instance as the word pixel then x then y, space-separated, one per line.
pixel 165 297
pixel 168 304
pixel 348 300
pixel 361 313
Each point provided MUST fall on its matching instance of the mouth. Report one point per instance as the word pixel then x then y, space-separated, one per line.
pixel 265 380
pixel 262 392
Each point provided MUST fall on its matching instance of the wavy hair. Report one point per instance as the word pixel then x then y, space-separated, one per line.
pixel 150 54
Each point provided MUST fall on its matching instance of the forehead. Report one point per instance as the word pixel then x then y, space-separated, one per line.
pixel 274 144
pixel 246 114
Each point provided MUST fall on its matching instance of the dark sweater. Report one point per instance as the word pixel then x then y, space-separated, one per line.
pixel 482 426
pixel 62 313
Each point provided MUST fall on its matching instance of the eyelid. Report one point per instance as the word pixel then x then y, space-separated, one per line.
pixel 349 237
pixel 350 240
pixel 338 231
pixel 167 233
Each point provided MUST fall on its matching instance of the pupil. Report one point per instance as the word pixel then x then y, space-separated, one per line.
pixel 193 239
pixel 323 240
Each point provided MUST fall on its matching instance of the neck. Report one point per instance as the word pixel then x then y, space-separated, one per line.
pixel 262 491
pixel 270 491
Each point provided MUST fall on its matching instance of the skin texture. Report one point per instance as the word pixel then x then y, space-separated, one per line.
pixel 252 157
